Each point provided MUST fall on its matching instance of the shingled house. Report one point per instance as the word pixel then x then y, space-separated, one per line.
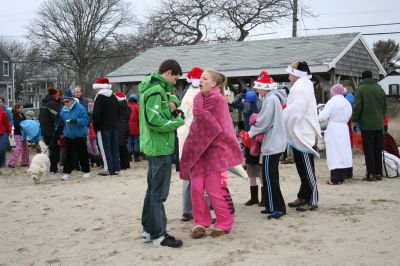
pixel 332 58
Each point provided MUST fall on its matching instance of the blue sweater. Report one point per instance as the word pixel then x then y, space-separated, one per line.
pixel 78 112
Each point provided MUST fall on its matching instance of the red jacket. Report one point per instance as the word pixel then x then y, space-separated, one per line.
pixel 134 119
pixel 4 123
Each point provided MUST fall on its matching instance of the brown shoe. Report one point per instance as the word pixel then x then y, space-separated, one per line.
pixel 198 231
pixel 306 207
pixel 186 217
pixel 217 233
pixel 378 178
pixel 297 203
pixel 369 179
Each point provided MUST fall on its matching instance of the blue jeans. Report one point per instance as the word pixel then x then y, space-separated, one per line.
pixel 108 141
pixel 3 148
pixel 154 220
pixel 133 144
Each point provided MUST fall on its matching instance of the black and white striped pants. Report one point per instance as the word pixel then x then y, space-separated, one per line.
pixel 306 170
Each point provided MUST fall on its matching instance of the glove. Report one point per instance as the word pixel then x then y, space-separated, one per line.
pixel 179 113
pixel 72 121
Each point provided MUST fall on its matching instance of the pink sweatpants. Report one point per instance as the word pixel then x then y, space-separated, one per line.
pixel 216 186
pixel 21 149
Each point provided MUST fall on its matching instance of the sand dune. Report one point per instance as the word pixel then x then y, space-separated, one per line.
pixel 96 221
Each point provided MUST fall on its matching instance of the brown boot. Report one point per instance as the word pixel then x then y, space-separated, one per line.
pixel 254 196
pixel 369 179
pixel 297 203
pixel 217 233
pixel 198 231
pixel 262 202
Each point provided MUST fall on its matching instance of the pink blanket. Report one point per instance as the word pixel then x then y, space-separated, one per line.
pixel 255 148
pixel 211 146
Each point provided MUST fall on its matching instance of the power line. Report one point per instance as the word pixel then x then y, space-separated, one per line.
pixel 382 33
pixel 356 26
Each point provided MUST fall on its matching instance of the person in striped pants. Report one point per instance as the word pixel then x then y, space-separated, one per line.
pixel 302 129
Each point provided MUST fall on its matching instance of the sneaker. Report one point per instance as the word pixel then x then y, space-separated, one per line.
pixel 86 175
pixel 276 215
pixel 167 241
pixel 297 203
pixel 104 173
pixel 306 207
pixel 65 177
pixel 11 166
pixel 146 237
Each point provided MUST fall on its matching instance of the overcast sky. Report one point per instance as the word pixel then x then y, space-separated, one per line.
pixel 16 14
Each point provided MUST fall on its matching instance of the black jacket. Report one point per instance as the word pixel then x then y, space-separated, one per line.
pixel 17 123
pixel 105 113
pixel 48 115
pixel 123 122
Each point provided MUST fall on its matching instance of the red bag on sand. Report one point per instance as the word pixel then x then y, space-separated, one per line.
pixel 246 140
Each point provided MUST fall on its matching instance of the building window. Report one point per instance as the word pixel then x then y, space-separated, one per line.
pixel 30 98
pixel 6 68
pixel 10 94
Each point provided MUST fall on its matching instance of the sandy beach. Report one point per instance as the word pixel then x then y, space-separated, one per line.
pixel 96 221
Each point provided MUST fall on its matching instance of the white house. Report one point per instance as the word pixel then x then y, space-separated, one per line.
pixel 391 84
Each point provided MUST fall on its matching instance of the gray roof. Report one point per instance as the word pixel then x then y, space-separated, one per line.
pixel 246 58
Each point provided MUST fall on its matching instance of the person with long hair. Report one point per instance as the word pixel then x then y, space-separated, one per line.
pixel 21 145
pixel 210 149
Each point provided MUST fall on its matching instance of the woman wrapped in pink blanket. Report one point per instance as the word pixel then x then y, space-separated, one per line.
pixel 209 150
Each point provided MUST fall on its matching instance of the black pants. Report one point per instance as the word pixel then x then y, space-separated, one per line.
pixel 78 146
pixel 339 175
pixel 306 170
pixel 54 151
pixel 124 157
pixel 372 141
pixel 270 174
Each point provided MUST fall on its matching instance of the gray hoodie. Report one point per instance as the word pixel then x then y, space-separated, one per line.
pixel 270 122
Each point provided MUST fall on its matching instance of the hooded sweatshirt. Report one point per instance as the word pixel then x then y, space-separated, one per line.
pixel 157 126
pixel 270 123
pixel 300 117
pixel 105 111
pixel 49 115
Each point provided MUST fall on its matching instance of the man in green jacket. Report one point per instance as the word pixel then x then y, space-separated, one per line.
pixel 369 111
pixel 157 142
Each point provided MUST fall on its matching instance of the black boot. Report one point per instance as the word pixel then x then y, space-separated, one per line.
pixel 262 202
pixel 136 157
pixel 254 196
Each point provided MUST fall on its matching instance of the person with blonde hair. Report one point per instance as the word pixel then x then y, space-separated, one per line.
pixel 210 149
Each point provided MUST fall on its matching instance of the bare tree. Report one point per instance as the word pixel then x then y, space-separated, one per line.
pixel 182 20
pixel 246 15
pixel 79 31
pixel 388 53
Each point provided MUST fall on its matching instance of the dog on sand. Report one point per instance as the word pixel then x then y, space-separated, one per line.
pixel 40 165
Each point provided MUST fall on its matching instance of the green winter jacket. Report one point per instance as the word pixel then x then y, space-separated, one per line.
pixel 370 105
pixel 157 126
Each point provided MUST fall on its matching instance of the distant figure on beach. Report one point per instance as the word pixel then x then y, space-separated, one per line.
pixel 369 110
pixel 337 113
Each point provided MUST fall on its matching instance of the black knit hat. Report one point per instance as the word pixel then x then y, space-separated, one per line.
pixel 366 74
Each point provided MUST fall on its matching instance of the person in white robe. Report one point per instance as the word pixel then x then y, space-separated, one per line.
pixel 337 113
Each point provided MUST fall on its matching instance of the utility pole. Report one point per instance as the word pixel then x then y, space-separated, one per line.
pixel 295 19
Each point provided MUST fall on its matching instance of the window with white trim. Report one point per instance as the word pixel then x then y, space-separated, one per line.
pixel 6 68
pixel 10 94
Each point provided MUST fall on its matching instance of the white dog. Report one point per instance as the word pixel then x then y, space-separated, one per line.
pixel 40 164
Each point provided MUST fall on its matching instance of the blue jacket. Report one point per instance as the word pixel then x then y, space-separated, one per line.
pixel 78 112
pixel 30 130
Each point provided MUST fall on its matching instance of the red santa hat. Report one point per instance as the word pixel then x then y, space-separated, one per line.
pixel 102 83
pixel 194 76
pixel 120 96
pixel 265 82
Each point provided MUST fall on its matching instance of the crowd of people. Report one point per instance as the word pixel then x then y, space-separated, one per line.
pixel 78 131
pixel 198 135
